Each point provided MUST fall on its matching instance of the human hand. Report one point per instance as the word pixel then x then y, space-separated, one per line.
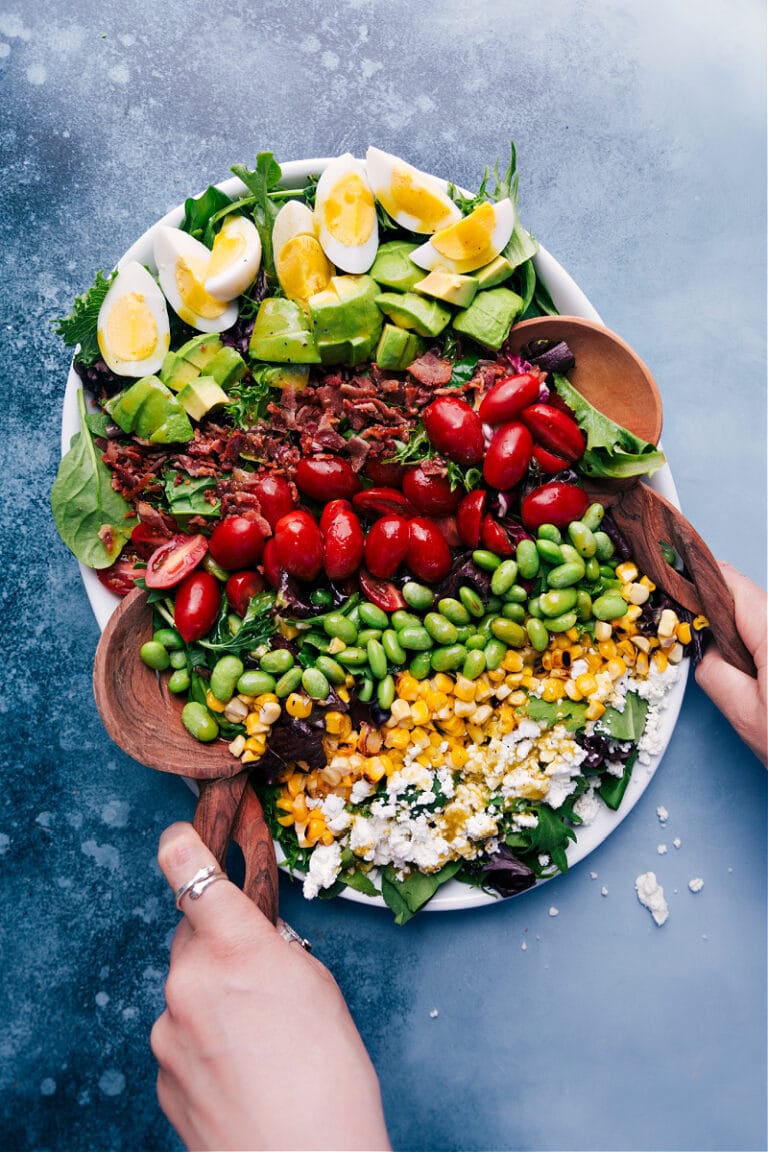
pixel 256 1047
pixel 741 699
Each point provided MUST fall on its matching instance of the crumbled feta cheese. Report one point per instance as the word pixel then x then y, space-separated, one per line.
pixel 651 895
pixel 361 790
pixel 336 817
pixel 696 884
pixel 434 1014
pixel 554 911
pixel 661 849
pixel 524 946
pixel 604 891
pixel 587 806
pixel 662 813
pixel 324 867
pixel 677 842
pixel 593 875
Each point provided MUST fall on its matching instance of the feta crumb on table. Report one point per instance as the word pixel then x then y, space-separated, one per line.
pixel 651 895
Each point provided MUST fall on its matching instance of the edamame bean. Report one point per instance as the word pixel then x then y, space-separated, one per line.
pixel 514 612
pixel 516 595
pixel 169 638
pixel 476 642
pixel 508 631
pixel 592 570
pixel 353 615
pixel 474 664
pixel 276 662
pixel 669 554
pixel 368 634
pixel 571 556
pixel 392 646
pixel 609 606
pixel 234 623
pixel 549 551
pixel 154 655
pixel 224 677
pixel 373 616
pixel 453 610
pixel 352 657
pixel 178 659
pixel 604 545
pixel 377 659
pixel 583 605
pixel 418 596
pixel 557 601
pixel 471 601
pixel 504 577
pixel 401 619
pixel 315 684
pixel 178 681
pixel 564 575
pixel 561 623
pixel 494 652
pixel 463 631
pixel 441 630
pixel 488 561
pixel 365 688
pixel 210 565
pixel 321 598
pixel 527 559
pixel 340 627
pixel 534 607
pixel 593 516
pixel 385 693
pixel 415 638
pixel 333 672
pixel 449 658
pixel 537 634
pixel 549 532
pixel 607 572
pixel 198 722
pixel 582 539
pixel 289 681
pixel 421 666
pixel 254 682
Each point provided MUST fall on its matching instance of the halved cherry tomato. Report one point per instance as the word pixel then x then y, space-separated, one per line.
pixel 555 503
pixel 236 542
pixel 506 400
pixel 275 497
pixel 455 429
pixel 172 561
pixel 375 502
pixel 196 606
pixel 270 563
pixel 430 495
pixel 554 430
pixel 508 456
pixel 548 461
pixel 145 539
pixel 342 540
pixel 383 593
pixel 241 588
pixel 299 545
pixel 494 537
pixel 428 557
pixel 469 517
pixel 386 545
pixel 384 474
pixel 121 576
pixel 450 530
pixel 328 478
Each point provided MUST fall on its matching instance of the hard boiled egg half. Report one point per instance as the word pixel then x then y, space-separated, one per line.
pixel 414 199
pixel 345 215
pixel 474 241
pixel 302 267
pixel 183 264
pixel 235 258
pixel 133 332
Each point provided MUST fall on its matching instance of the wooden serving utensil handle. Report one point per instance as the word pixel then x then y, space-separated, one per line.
pixel 229 810
pixel 647 519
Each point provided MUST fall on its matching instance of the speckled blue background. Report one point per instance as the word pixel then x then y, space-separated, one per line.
pixel 640 134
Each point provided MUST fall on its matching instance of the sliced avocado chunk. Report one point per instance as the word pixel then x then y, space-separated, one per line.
pixel 494 273
pixel 201 395
pixel 393 267
pixel 124 407
pixel 417 313
pixel 147 407
pixel 176 429
pixel 295 376
pixel 448 287
pixel 398 349
pixel 346 321
pixel 282 333
pixel 226 367
pixel 489 317
pixel 200 350
pixel 175 371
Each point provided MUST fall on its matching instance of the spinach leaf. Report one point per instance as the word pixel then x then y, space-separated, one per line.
pixel 464 370
pixel 200 214
pixel 568 712
pixel 93 520
pixel 260 181
pixel 360 881
pixel 80 326
pixel 611 450
pixel 406 897
pixel 187 496
pixel 613 787
pixel 626 725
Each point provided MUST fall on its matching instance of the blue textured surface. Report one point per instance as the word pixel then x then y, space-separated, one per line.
pixel 640 134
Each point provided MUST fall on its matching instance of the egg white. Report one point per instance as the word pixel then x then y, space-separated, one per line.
pixel 414 199
pixel 182 265
pixel 133 330
pixel 234 260
pixel 345 215
pixel 466 246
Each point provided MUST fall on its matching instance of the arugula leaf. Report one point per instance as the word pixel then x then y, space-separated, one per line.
pixel 613 787
pixel 80 326
pixel 257 626
pixel 93 520
pixel 419 448
pixel 551 835
pixel 201 214
pixel 406 897
pixel 626 725
pixel 260 181
pixel 611 450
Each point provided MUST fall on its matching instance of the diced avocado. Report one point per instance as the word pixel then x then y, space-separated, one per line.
pixel 417 313
pixel 448 287
pixel 200 350
pixel 295 376
pixel 201 395
pixel 176 429
pixel 282 333
pixel 494 273
pixel 346 321
pixel 398 349
pixel 124 407
pixel 175 371
pixel 150 410
pixel 226 367
pixel 489 317
pixel 393 267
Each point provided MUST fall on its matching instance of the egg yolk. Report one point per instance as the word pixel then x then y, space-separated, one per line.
pixel 407 195
pixel 303 268
pixel 228 247
pixel 470 238
pixel 130 329
pixel 349 212
pixel 190 277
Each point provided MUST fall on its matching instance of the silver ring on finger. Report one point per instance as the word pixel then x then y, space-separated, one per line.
pixel 292 936
pixel 201 880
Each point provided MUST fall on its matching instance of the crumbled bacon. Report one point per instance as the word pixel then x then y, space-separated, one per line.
pixel 431 370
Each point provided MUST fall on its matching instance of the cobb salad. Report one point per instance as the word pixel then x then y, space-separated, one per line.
pixel 363 527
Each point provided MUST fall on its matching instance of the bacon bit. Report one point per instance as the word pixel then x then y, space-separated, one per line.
pixel 431 370
pixel 107 536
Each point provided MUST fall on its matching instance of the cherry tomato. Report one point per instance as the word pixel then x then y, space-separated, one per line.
pixel 382 593
pixel 554 430
pixel 548 461
pixel 506 400
pixel 469 517
pixel 384 474
pixel 449 527
pixel 494 538
pixel 172 561
pixel 121 576
pixel 428 556
pixel 455 429
pixel 145 539
pixel 270 563
pixel 196 606
pixel 342 540
pixel 386 545
pixel 555 503
pixel 236 542
pixel 328 478
pixel 275 497
pixel 241 588
pixel 430 495
pixel 299 545
pixel 508 456
pixel 375 502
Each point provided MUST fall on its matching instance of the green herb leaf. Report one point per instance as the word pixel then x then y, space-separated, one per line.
pixel 257 626
pixel 406 897
pixel 260 181
pixel 248 399
pixel 361 882
pixel 80 326
pixel 93 520
pixel 464 370
pixel 613 788
pixel 568 712
pixel 552 834
pixel 611 450
pixel 201 213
